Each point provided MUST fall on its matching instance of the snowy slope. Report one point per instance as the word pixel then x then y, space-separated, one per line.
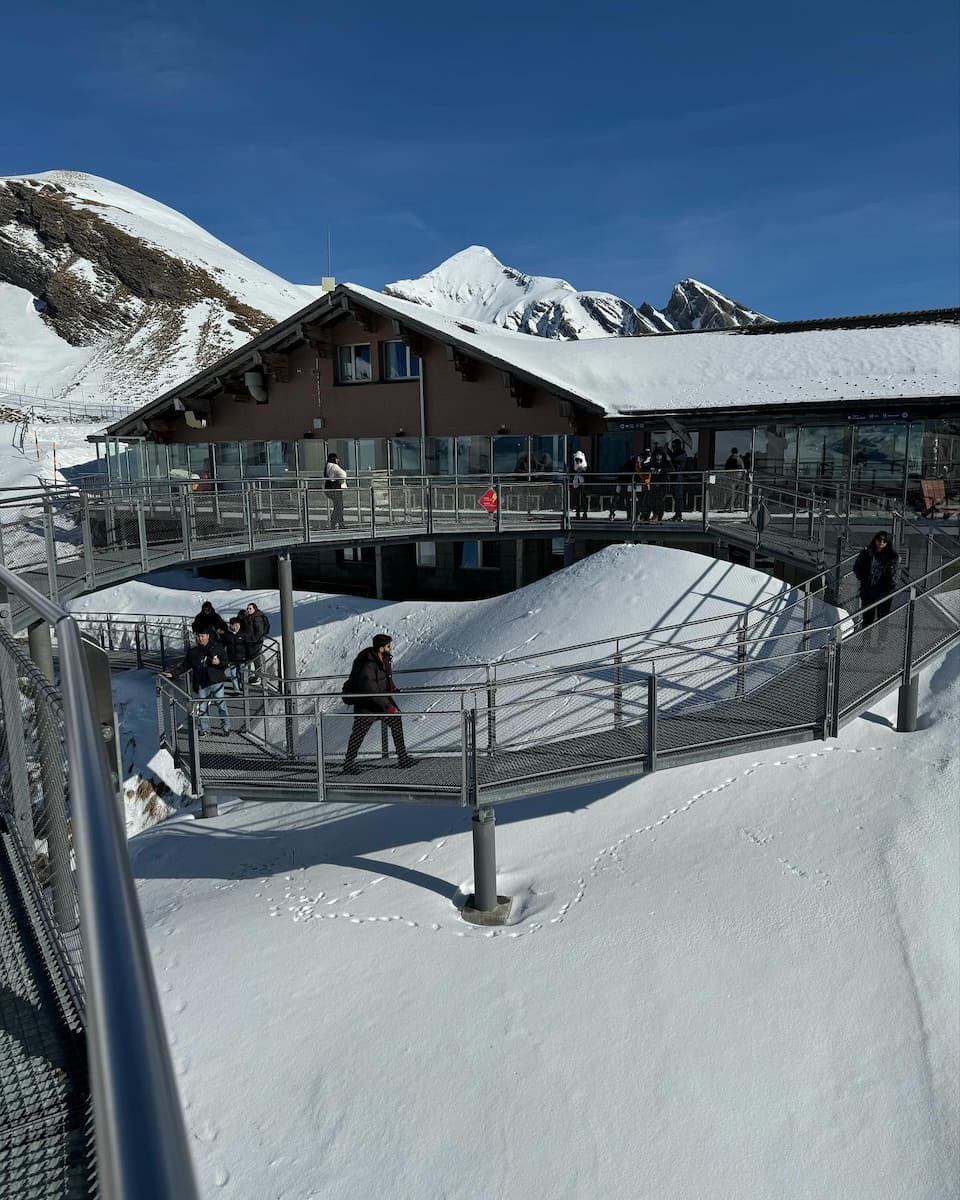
pixel 475 285
pixel 737 979
pixel 134 295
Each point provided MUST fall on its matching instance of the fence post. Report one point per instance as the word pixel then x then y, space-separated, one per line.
pixel 53 785
pixel 928 566
pixel 831 703
pixel 87 536
pixel 705 501
pixel 13 727
pixel 807 615
pixel 373 513
pixel 321 768
pixel 306 510
pixel 136 639
pixel 617 690
pixel 741 655
pixel 491 709
pixel 184 522
pixel 652 720
pixel 429 507
pixel 288 658
pixel 51 551
pixel 908 693
pixel 142 533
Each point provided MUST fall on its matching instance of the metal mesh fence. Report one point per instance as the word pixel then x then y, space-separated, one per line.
pixel 34 787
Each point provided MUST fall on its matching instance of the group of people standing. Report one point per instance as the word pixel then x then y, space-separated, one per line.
pixel 226 651
pixel 642 486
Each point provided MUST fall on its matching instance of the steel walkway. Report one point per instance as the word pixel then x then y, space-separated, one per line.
pixel 46 1146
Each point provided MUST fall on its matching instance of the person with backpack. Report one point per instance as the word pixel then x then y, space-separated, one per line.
pixel 209 620
pixel 368 689
pixel 206 664
pixel 258 626
pixel 335 482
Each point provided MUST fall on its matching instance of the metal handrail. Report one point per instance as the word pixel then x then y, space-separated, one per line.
pixel 141 1140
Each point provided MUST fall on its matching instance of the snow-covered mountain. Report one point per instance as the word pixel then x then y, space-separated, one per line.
pixel 110 293
pixel 476 285
pixel 105 290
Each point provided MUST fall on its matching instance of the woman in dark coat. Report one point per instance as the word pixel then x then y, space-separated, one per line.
pixel 659 484
pixel 877 570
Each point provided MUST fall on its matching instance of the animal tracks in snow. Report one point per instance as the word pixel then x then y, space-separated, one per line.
pixel 304 907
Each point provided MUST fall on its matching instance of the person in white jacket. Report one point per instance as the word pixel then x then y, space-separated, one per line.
pixel 578 485
pixel 336 482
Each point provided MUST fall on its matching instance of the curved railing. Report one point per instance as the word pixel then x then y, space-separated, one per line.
pixel 61 808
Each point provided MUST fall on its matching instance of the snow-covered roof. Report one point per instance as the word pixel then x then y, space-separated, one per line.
pixel 730 369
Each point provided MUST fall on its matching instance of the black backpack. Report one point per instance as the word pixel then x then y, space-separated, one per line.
pixel 350 686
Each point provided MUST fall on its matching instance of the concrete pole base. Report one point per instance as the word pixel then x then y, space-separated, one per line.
pixel 907 703
pixel 208 807
pixel 493 916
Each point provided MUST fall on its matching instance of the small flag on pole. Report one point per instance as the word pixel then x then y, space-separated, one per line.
pixel 489 500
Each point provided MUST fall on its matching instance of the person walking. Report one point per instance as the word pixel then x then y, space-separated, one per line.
pixel 734 464
pixel 209 620
pixel 369 689
pixel 659 484
pixel 877 569
pixel 235 645
pixel 335 478
pixel 578 485
pixel 206 663
pixel 258 626
pixel 679 465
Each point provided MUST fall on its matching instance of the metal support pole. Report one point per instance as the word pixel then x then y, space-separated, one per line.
pixel 378 572
pixel 907 696
pixel 52 590
pixel 142 533
pixel 429 507
pixel 484 859
pixel 288 664
pixel 705 502
pixel 652 721
pixel 41 648
pixel 185 523
pixel 87 535
pixel 373 513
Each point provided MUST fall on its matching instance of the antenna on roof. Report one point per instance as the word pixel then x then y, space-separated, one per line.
pixel 328 283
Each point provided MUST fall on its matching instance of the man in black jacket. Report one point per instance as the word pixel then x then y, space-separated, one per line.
pixel 207 664
pixel 370 684
pixel 235 645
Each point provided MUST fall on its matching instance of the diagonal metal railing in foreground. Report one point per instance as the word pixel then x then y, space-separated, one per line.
pixel 74 900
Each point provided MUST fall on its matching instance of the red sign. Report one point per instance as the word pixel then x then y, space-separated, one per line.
pixel 489 500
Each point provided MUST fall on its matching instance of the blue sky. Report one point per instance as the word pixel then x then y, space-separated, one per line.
pixel 802 158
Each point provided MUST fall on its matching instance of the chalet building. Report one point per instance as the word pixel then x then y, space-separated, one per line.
pixel 399 390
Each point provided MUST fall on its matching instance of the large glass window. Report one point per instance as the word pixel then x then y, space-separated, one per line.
pixel 511 455
pixel 313 456
pixel 353 364
pixel 254 455
pixel 613 451
pixel 281 458
pixel 372 454
pixel 155 459
pixel 473 455
pixel 879 458
pixel 823 451
pixel 226 460
pixel 726 442
pixel 345 450
pixel 438 456
pixel 399 361
pixel 405 456
pixel 775 450
pixel 546 452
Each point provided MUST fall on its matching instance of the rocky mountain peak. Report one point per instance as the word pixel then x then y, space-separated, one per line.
pixel 474 284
